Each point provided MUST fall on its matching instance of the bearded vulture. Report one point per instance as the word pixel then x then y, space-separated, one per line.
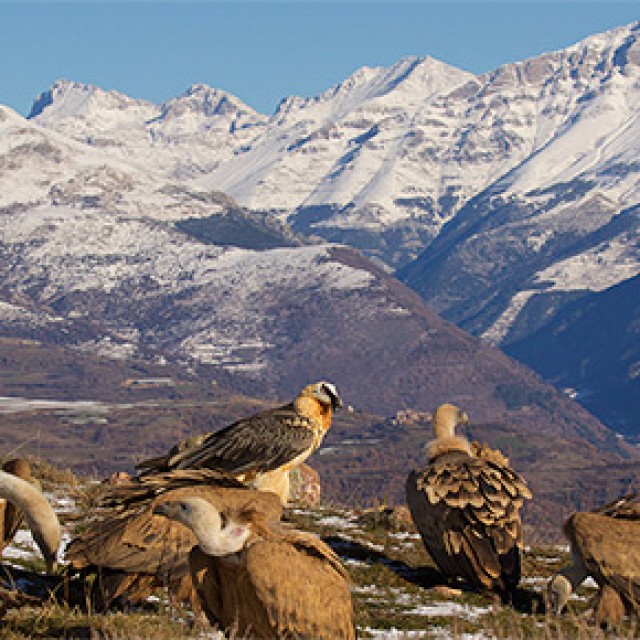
pixel 259 450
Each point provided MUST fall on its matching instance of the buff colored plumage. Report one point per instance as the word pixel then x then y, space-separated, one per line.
pixel 604 544
pixel 466 505
pixel 133 551
pixel 10 516
pixel 38 513
pixel 260 450
pixel 260 579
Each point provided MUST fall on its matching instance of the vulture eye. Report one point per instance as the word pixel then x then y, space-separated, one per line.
pixel 183 506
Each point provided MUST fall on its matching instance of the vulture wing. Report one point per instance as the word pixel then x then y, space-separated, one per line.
pixel 301 589
pixel 126 535
pixel 467 512
pixel 227 596
pixel 260 443
pixel 133 541
pixel 608 546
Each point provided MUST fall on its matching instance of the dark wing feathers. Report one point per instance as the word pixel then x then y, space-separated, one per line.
pixel 260 443
pixel 467 512
pixel 126 535
pixel 142 489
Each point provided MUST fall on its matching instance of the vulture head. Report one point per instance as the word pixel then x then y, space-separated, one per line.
pixel 324 393
pixel 445 420
pixel 559 590
pixel 219 532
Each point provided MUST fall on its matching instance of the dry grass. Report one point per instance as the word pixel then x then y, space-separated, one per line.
pixel 396 588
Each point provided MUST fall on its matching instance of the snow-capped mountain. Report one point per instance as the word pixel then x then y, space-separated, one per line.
pixel 261 321
pixel 502 196
pixel 103 257
pixel 560 227
pixel 182 138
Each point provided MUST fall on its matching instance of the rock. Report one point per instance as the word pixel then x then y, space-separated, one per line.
pixel 390 518
pixel 305 487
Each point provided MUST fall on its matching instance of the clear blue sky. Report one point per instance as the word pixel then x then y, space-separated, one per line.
pixel 264 51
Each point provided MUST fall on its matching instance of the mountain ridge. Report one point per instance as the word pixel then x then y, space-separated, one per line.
pixel 110 215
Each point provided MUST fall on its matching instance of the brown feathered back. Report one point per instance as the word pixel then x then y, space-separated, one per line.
pixel 285 584
pixel 467 510
pixel 137 550
pixel 608 546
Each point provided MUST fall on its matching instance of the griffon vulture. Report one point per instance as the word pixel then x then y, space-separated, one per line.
pixel 260 579
pixel 260 450
pixel 38 513
pixel 605 545
pixel 132 551
pixel 465 504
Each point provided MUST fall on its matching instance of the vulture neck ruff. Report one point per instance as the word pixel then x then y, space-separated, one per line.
pixel 447 444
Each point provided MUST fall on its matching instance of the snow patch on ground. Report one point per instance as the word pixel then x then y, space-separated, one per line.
pixel 450 609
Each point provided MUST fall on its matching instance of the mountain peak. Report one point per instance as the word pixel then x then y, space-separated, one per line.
pixel 69 99
pixel 410 81
pixel 202 99
pixel 57 91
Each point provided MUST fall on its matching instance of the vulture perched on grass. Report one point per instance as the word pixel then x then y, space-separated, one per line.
pixel 466 505
pixel 259 450
pixel 40 517
pixel 258 579
pixel 131 551
pixel 605 544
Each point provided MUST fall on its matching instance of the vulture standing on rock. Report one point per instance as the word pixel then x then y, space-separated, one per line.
pixel 260 450
pixel 605 544
pixel 132 551
pixel 466 505
pixel 259 579
pixel 42 520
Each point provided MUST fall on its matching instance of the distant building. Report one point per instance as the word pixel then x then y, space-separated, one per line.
pixel 409 417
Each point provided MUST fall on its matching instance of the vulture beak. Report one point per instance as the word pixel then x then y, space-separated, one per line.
pixel 162 509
